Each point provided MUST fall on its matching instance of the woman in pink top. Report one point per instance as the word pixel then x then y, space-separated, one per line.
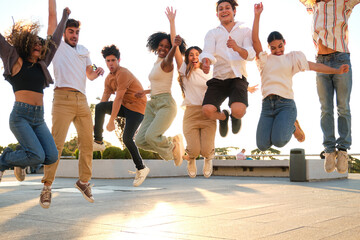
pixel 278 121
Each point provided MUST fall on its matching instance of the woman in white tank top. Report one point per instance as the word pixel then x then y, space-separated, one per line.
pixel 161 109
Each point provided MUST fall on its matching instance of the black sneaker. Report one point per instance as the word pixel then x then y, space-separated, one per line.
pixel 235 124
pixel 223 129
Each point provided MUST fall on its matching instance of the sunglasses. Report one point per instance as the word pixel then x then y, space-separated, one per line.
pixel 40 41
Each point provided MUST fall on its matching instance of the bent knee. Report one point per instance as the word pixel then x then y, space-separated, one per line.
pixel 208 110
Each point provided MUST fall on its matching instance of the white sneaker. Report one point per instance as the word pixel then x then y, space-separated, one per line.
pixel 191 168
pixel 98 146
pixel 1 174
pixel 140 176
pixel 329 164
pixel 19 173
pixel 208 168
pixel 342 164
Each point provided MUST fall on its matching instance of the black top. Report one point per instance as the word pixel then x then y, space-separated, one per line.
pixel 30 77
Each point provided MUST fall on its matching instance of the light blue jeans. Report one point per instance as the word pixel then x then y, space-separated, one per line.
pixel 327 86
pixel 276 123
pixel 37 144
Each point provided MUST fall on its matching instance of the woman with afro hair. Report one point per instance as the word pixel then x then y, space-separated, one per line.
pixel 161 109
pixel 26 57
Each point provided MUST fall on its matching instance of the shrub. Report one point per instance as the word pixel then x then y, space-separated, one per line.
pixel 96 155
pixel 113 153
pixel 149 155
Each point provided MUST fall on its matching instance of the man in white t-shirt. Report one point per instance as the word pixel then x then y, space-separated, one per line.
pixel 241 155
pixel 72 65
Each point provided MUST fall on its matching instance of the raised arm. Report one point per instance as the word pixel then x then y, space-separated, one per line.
pixel 319 67
pixel 258 8
pixel 171 14
pixel 52 17
pixel 167 63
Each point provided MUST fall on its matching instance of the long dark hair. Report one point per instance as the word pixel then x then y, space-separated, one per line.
pixel 275 36
pixel 189 68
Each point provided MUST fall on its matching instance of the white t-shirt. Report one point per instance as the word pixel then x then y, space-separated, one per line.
pixel 70 66
pixel 277 72
pixel 194 86
pixel 241 156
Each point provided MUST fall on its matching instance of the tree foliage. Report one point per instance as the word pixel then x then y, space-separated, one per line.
pixel 259 153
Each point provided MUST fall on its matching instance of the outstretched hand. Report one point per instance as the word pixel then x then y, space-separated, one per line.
pixel 206 65
pixel 343 69
pixel 170 13
pixel 253 89
pixel 258 8
pixel 67 10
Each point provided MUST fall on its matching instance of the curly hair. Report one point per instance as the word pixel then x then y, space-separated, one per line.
pixel 111 50
pixel 155 39
pixel 189 68
pixel 23 36
pixel 233 4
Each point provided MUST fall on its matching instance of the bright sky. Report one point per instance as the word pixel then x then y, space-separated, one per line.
pixel 127 24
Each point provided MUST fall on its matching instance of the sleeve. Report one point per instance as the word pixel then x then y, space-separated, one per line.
pixel 182 70
pixel 8 55
pixel 353 3
pixel 248 45
pixel 56 38
pixel 261 61
pixel 299 62
pixel 209 48
pixel 123 80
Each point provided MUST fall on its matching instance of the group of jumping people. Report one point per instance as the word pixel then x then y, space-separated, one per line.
pixel 227 47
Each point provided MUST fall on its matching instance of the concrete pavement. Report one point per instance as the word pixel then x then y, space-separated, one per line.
pixel 183 208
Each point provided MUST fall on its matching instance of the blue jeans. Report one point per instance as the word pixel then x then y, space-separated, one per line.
pixel 327 86
pixel 276 123
pixel 37 144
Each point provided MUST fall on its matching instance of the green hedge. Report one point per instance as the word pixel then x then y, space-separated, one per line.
pixel 118 153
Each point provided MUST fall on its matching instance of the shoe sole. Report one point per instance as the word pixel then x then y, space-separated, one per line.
pixel 19 177
pixel 84 195
pixel 44 206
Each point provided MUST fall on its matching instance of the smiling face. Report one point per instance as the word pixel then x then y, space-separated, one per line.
pixel 193 58
pixel 71 36
pixel 163 48
pixel 112 63
pixel 277 47
pixel 225 13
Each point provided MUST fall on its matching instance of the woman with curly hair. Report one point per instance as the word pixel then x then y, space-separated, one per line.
pixel 161 109
pixel 26 57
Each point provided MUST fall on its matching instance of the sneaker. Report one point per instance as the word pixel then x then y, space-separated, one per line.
pixel 85 189
pixel 98 146
pixel 223 128
pixel 178 150
pixel 299 134
pixel 45 197
pixel 19 173
pixel 329 163
pixel 1 174
pixel 342 161
pixel 191 168
pixel 208 168
pixel 235 124
pixel 140 176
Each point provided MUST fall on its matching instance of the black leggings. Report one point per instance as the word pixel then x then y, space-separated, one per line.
pixel 132 122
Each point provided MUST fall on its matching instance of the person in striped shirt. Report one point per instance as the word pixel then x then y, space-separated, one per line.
pixel 330 37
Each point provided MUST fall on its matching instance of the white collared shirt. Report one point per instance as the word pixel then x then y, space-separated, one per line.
pixel 330 23
pixel 228 63
pixel 70 66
